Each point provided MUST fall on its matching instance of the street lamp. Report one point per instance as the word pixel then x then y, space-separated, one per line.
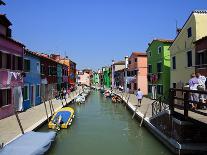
pixel 126 67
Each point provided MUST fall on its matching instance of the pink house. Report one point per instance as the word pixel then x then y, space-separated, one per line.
pixel 137 72
pixel 83 78
pixel 11 69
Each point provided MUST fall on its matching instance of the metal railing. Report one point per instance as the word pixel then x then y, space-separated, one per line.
pixel 159 105
pixel 183 99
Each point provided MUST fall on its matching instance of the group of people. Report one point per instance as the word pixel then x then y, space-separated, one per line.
pixel 197 82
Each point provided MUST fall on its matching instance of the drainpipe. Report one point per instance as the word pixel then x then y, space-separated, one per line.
pixel 126 67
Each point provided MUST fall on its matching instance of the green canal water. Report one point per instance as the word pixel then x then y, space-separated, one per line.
pixel 103 128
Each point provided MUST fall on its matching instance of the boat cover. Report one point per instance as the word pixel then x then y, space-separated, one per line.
pixel 64 114
pixel 31 143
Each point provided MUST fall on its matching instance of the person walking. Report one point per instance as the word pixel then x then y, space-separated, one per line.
pixel 139 96
pixel 193 84
pixel 201 86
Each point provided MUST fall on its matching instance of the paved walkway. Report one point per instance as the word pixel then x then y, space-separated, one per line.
pixel 30 119
pixel 146 102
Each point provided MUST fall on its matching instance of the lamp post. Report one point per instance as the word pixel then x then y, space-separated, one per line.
pixel 126 67
pixel 112 73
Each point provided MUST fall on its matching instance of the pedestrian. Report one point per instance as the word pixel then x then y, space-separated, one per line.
pixel 201 86
pixel 193 84
pixel 139 96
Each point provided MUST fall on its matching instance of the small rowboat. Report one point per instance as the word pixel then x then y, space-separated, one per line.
pixel 62 118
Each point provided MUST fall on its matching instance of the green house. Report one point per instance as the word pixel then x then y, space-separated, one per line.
pixel 95 79
pixel 158 68
pixel 106 77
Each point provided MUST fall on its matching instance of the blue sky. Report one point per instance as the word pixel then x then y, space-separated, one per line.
pixel 93 32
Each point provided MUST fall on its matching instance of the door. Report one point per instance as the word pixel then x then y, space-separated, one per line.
pixel 33 95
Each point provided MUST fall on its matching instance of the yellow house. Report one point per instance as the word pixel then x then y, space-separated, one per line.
pixel 182 51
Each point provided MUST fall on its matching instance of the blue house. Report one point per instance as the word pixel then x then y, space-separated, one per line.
pixel 32 80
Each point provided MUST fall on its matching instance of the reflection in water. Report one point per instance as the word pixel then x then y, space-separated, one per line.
pixel 101 127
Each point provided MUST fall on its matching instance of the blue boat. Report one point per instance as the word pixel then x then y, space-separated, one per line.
pixel 30 143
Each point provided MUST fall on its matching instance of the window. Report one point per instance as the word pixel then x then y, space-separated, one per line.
pixel 159 67
pixel 159 49
pixel 135 59
pixel 201 59
pixel 38 67
pixel 37 90
pixel 129 85
pixel 135 86
pixel 149 53
pixel 189 58
pixel 129 62
pixel 20 63
pixel 128 73
pixel 149 68
pixel 5 97
pixel 189 32
pixel 26 92
pixel 8 61
pixel 173 62
pixel 49 70
pixel 174 85
pixel 42 69
pixel 26 65
pixel 160 89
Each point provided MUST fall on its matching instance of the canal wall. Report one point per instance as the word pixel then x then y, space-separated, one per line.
pixel 139 114
pixel 171 143
pixel 31 119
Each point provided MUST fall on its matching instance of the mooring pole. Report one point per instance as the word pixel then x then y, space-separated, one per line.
pixel 144 115
pixel 17 117
pixel 135 111
pixel 19 122
pixel 45 109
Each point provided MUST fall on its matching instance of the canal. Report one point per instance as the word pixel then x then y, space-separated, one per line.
pixel 100 128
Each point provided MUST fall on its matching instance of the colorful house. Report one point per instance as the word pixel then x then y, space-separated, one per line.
pixel 201 56
pixel 71 71
pixel 96 79
pixel 182 50
pixel 106 77
pixel 59 71
pixel 118 74
pixel 137 72
pixel 158 56
pixel 11 70
pixel 83 78
pixel 32 80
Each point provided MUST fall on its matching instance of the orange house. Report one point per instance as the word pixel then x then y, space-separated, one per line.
pixel 71 70
pixel 137 72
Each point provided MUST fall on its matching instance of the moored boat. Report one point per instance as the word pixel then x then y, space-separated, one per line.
pixel 62 118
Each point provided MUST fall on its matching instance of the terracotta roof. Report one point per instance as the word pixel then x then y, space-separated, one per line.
pixel 201 39
pixel 41 55
pixel 12 40
pixel 139 53
pixel 4 20
pixel 119 63
pixel 164 40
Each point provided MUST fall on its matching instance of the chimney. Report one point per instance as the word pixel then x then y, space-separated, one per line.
pixel 55 57
pixel 178 30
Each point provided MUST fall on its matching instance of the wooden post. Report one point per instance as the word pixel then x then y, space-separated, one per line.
pixel 144 115
pixel 135 111
pixel 19 122
pixel 17 117
pixel 46 111
pixel 186 103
